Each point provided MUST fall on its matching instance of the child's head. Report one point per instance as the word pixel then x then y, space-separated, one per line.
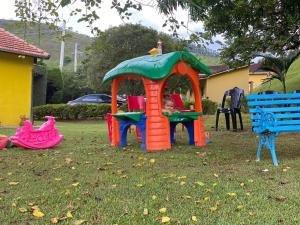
pixel 168 104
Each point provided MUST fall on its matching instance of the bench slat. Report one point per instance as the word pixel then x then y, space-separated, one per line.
pixel 281 109
pixel 273 96
pixel 280 129
pixel 280 122
pixel 278 116
pixel 274 102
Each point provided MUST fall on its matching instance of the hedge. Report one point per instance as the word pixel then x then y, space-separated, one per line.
pixel 71 112
pixel 208 107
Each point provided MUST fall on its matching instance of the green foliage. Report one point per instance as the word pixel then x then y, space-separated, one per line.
pixel 279 67
pixel 71 112
pixel 118 44
pixel 54 85
pixel 248 27
pixel 39 87
pixel 124 107
pixel 292 80
pixel 209 107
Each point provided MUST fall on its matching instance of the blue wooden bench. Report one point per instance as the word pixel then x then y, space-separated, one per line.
pixel 272 114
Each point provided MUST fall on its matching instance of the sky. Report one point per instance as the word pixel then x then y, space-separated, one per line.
pixel 149 17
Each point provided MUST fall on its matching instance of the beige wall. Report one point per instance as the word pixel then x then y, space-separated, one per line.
pixel 216 85
pixel 257 79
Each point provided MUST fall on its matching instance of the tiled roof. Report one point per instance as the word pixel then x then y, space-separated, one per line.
pixel 13 44
pixel 254 68
pixel 218 68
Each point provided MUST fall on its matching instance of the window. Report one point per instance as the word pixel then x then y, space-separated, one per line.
pixel 90 99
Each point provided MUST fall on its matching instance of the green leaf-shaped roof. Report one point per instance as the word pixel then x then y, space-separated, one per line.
pixel 154 67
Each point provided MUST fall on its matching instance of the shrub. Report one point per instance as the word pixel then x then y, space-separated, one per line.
pixel 209 107
pixel 71 112
pixel 124 107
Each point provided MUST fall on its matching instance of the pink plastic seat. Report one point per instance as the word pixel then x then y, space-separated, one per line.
pixel 136 103
pixel 109 125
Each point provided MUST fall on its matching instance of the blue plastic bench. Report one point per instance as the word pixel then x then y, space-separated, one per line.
pixel 272 114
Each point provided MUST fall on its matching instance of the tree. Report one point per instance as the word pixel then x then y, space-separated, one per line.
pixel 247 27
pixel 118 44
pixel 278 66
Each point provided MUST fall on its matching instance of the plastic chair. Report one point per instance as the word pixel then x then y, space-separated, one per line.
pixel 109 125
pixel 136 103
pixel 236 95
pixel 178 103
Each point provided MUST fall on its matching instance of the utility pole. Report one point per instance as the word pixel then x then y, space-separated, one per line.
pixel 75 57
pixel 62 47
pixel 159 46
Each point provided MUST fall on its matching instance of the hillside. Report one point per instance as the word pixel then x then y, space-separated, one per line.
pixel 49 41
pixel 292 80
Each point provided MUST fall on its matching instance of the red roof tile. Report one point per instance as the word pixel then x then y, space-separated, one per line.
pixel 13 44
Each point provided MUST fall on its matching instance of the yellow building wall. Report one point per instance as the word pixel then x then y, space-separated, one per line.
pixel 216 85
pixel 257 79
pixel 15 88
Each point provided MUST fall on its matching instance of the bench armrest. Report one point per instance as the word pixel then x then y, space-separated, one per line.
pixel 267 121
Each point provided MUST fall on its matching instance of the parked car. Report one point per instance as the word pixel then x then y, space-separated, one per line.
pixel 96 99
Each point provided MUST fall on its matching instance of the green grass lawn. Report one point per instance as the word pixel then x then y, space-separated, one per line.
pixel 99 184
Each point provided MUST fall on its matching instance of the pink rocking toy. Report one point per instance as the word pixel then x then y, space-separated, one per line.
pixel 46 136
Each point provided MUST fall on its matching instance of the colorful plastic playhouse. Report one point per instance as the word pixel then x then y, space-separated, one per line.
pixel 154 71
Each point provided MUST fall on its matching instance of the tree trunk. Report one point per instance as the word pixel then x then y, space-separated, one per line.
pixel 284 86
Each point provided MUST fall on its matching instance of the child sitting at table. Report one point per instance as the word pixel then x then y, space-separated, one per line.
pixel 168 105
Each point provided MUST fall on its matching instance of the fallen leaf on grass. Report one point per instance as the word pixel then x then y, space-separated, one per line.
pixel 68 160
pixel 251 213
pixel 38 213
pixel 139 185
pixel 13 183
pixel 206 199
pixel 145 212
pixel 280 198
pixel 216 175
pixel 163 210
pixel 265 170
pixel 152 160
pixel 75 184
pixel 232 194
pixel 165 219
pixel 153 197
pixel 54 220
pixel 57 178
pixel 187 197
pixel 78 222
pixel 199 183
pixel 22 210
pixel 69 214
pixel 13 204
pixel 182 183
pixel 201 154
pixel 194 218
pixel 213 209
pixel 240 207
pixel 182 177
